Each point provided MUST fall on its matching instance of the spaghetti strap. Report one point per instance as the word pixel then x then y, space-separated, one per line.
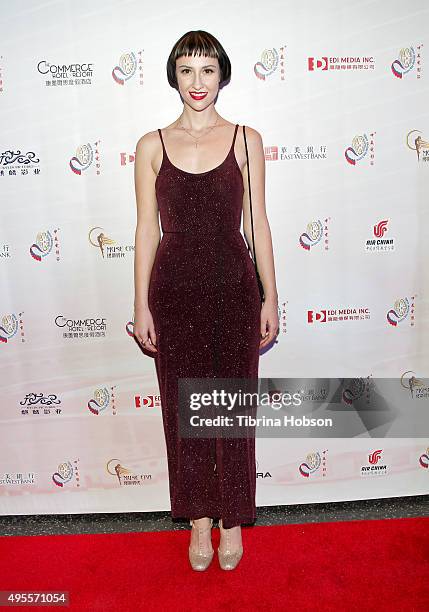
pixel 235 134
pixel 162 140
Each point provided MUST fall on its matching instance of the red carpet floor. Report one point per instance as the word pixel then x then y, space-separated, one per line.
pixel 354 565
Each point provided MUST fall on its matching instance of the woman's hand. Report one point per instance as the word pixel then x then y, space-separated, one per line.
pixel 144 329
pixel 269 322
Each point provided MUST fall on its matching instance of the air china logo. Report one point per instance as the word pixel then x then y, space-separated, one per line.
pixel 379 244
pixel 374 468
pixel 315 232
pixel 45 245
pixel 126 476
pixel 102 399
pixel 38 403
pixel 147 401
pixel 402 309
pixel 127 68
pixel 406 62
pixel 314 465
pixel 338 314
pixel 417 144
pixel 84 158
pixel 108 247
pixel 296 152
pixel 66 75
pixel 10 324
pixel 82 328
pixel 272 61
pixel 359 149
pixel 13 163
pixel 261 474
pixel 324 62
pixel 67 473
pixel 424 459
pixel 417 388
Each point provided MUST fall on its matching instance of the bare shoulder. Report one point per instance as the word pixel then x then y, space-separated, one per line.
pixel 253 136
pixel 148 142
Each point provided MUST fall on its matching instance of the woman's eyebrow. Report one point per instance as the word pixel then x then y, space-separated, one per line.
pixel 206 66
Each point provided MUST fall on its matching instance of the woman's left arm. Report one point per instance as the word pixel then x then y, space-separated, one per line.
pixel 262 233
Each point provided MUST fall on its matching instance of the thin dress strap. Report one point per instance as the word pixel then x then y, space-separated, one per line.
pixel 235 134
pixel 162 140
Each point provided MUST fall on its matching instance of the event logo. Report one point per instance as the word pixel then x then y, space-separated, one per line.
pixel 102 399
pixel 9 479
pixel 355 389
pixel 108 247
pixel 147 401
pixel 296 152
pixel 314 463
pixel 66 473
pixel 84 158
pixel 417 144
pixel 374 469
pixel 338 314
pixel 16 162
pixel 360 148
pixel 4 251
pixel 424 459
pixel 417 388
pixel 315 231
pixel 378 244
pixel 402 308
pixel 340 63
pixel 9 325
pixel 45 245
pixel 272 60
pixel 282 313
pixel 66 75
pixel 38 403
pixel 406 62
pixel 126 69
pixel 82 328
pixel 124 475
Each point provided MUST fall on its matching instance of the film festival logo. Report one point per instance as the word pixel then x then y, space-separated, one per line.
pixel 102 400
pixel 407 61
pixel 334 315
pixel 46 244
pixel 415 386
pixel 86 156
pixel 356 389
pixel 126 476
pixel 67 74
pixel 361 147
pixel 403 310
pixel 378 243
pixel 14 162
pixel 314 465
pixel 67 473
pixel 419 145
pixel 424 459
pixel 90 327
pixel 108 247
pixel 325 63
pixel 316 233
pixel 374 468
pixel 12 326
pixel 272 61
pixel 127 68
pixel 37 403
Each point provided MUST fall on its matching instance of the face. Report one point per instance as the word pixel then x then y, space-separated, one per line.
pixel 198 75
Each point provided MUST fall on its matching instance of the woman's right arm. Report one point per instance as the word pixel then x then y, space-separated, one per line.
pixel 147 237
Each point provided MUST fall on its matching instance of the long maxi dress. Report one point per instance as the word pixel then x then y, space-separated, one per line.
pixel 204 299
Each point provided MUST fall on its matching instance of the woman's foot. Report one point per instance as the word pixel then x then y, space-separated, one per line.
pixel 200 547
pixel 230 548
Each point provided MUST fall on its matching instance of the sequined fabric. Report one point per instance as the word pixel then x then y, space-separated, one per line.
pixel 204 300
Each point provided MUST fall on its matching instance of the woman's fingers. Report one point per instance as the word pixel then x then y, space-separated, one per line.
pixel 269 334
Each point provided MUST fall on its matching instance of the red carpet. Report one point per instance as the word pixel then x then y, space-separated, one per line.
pixel 354 565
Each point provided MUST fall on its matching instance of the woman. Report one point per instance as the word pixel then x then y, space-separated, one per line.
pixel 197 304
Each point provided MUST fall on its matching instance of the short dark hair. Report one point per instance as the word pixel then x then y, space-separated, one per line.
pixel 198 42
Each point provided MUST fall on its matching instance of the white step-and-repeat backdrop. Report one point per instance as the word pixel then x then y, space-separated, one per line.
pixel 339 92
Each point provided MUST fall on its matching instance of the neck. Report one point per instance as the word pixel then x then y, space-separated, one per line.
pixel 198 121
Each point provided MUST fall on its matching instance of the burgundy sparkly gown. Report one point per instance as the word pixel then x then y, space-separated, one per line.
pixel 204 300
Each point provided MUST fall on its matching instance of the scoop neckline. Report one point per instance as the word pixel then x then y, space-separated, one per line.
pixel 165 156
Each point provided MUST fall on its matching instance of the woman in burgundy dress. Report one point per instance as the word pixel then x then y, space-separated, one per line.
pixel 197 306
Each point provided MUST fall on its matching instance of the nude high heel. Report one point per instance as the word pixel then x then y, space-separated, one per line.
pixel 228 559
pixel 199 560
